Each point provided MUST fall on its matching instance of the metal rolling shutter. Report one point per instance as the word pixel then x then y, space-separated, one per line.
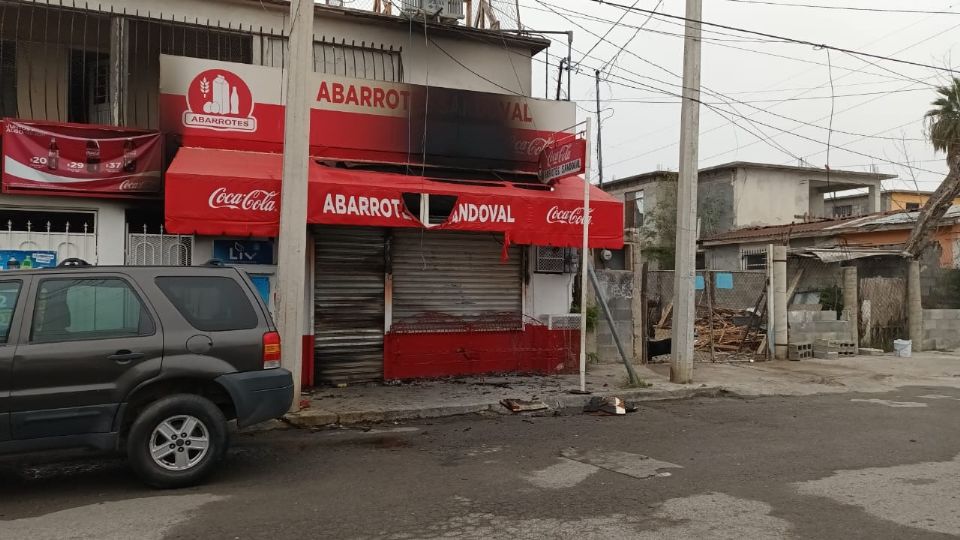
pixel 452 281
pixel 349 304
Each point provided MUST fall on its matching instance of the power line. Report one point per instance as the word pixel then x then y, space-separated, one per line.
pixel 781 38
pixel 845 8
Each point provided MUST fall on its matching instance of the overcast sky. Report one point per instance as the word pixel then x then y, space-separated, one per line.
pixel 780 85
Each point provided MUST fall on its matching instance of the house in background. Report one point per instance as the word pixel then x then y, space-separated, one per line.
pixel 734 196
pixel 745 249
pixel 894 200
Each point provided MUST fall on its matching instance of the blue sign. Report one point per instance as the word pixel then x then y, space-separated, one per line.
pixel 724 280
pixel 243 251
pixel 16 259
pixel 262 284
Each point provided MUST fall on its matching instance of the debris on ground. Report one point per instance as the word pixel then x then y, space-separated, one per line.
pixel 522 405
pixel 608 406
pixel 733 331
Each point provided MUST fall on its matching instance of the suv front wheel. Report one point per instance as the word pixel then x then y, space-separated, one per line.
pixel 177 441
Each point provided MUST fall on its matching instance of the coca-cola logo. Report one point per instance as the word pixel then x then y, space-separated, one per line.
pixel 531 147
pixel 138 184
pixel 257 200
pixel 569 217
pixel 561 154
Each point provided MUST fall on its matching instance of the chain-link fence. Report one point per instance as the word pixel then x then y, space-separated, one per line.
pixel 731 312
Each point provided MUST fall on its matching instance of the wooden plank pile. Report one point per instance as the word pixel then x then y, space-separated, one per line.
pixel 727 335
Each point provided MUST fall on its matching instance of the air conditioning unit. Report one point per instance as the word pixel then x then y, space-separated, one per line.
pixel 444 9
pixel 565 321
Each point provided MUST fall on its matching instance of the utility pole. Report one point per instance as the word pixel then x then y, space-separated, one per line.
pixel 291 271
pixel 599 133
pixel 685 267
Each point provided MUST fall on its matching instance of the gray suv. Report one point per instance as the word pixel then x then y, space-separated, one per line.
pixel 149 361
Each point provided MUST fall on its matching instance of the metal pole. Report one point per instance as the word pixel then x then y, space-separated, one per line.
pixel 599 134
pixel 569 59
pixel 681 362
pixel 601 299
pixel 291 274
pixel 584 267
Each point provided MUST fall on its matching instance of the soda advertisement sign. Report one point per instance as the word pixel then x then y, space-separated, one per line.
pixel 80 158
pixel 17 259
pixel 232 106
pixel 563 160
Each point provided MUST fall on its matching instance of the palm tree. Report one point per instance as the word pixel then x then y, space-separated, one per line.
pixel 943 130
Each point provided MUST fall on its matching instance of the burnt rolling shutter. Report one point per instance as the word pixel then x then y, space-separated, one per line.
pixel 454 281
pixel 349 304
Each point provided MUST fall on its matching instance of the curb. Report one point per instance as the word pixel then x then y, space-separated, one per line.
pixel 565 404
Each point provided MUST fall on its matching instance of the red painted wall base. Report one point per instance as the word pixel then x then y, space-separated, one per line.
pixel 533 350
pixel 306 368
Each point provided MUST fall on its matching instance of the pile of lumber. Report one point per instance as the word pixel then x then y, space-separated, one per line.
pixel 727 335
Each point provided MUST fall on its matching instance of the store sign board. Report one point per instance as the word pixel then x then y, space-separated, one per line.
pixel 17 259
pixel 244 251
pixel 240 107
pixel 561 160
pixel 80 158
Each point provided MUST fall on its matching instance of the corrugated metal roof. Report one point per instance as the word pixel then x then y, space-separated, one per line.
pixel 825 228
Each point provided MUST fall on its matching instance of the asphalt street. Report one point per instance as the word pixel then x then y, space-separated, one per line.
pixel 827 466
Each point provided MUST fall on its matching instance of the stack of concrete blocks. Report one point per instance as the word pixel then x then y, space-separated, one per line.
pixel 941 329
pixel 830 349
pixel 801 351
pixel 808 326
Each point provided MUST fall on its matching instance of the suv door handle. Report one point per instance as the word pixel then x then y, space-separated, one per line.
pixel 125 356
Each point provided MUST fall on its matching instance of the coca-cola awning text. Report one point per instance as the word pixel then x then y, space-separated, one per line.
pixel 230 193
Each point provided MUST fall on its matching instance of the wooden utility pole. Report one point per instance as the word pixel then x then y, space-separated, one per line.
pixel 291 259
pixel 684 310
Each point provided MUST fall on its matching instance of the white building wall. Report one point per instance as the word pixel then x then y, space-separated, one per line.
pixel 546 294
pixel 768 197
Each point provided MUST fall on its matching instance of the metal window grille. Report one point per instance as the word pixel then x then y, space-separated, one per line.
pixel 158 249
pixel 552 260
pixel 66 239
pixel 753 259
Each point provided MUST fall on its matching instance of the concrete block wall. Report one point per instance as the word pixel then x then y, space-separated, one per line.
pixel 806 326
pixel 941 329
pixel 617 286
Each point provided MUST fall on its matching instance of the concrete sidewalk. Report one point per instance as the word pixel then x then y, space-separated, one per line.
pixel 470 395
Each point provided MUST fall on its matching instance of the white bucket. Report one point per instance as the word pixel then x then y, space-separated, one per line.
pixel 902 347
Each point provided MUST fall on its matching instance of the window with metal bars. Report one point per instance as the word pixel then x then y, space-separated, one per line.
pixel 337 57
pixel 8 79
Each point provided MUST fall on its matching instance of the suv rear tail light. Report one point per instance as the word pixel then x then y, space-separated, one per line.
pixel 271 350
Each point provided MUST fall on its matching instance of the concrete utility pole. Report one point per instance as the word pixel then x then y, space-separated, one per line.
pixel 291 271
pixel 781 336
pixel 685 267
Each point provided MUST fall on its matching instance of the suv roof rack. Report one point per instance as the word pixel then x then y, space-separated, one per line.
pixel 72 262
pixel 215 262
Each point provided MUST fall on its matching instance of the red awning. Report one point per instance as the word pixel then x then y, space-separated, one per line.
pixel 229 193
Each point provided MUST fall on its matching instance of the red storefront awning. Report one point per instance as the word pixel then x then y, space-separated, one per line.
pixel 229 193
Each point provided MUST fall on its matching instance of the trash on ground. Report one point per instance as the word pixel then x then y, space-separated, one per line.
pixel 521 405
pixel 609 406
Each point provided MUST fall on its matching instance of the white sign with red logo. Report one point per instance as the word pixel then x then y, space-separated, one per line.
pixel 560 160
pixel 220 100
